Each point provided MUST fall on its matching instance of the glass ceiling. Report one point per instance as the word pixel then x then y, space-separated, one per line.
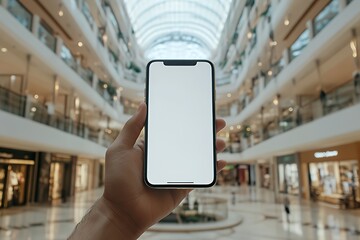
pixel 178 28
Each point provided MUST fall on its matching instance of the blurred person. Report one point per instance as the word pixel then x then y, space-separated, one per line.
pixel 128 207
pixel 287 208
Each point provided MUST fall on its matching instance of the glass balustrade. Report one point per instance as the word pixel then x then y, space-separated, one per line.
pixel 292 117
pixel 12 102
pixel 68 57
pixel 20 13
pixel 325 16
pixel 45 36
pixel 300 43
pixel 85 9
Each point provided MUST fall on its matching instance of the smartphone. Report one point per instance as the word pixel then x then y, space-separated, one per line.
pixel 180 134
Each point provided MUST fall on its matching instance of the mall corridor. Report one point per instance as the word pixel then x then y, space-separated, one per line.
pixel 262 219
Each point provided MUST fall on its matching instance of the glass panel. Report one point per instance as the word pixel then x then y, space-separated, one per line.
pixel 46 37
pixel 86 11
pixel 12 102
pixel 20 13
pixel 67 57
pixel 300 43
pixel 86 74
pixel 326 15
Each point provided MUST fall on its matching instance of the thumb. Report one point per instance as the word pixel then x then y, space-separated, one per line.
pixel 132 128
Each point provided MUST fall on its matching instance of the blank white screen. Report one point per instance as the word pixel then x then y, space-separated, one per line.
pixel 180 141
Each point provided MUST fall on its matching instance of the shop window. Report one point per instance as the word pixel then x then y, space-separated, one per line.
pixel 325 16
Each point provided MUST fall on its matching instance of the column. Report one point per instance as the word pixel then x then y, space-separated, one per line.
pixel 275 178
pixel 233 109
pixel 285 56
pixel 25 84
pixel 257 175
pixel 35 25
pixel 310 27
pixel 95 81
pixel 59 44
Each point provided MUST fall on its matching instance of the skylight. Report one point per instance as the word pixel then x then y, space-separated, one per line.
pixel 178 28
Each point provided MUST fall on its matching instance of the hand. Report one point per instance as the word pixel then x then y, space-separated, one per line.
pixel 127 202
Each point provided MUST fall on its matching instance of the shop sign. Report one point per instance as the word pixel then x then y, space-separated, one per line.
pixel 326 154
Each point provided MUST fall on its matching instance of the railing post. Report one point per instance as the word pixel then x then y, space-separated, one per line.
pixel 286 56
pixel 35 25
pixel 95 81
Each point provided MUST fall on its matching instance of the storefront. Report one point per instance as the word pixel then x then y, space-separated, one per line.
pixel 237 174
pixel 332 175
pixel 89 174
pixel 288 174
pixel 56 177
pixel 16 169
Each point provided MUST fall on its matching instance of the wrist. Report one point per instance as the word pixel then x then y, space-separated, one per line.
pixel 104 222
pixel 122 220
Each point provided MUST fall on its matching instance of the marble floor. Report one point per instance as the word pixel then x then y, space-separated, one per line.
pixel 263 218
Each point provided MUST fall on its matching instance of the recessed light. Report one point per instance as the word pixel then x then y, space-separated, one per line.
pixel 231 128
pixel 249 35
pixel 259 64
pixel 61 13
pixel 33 109
pixel 238 126
pixel 80 44
pixel 12 78
pixel 105 86
pixel 286 22
pixel 36 96
pixel 228 95
pixel 270 73
pixel 4 50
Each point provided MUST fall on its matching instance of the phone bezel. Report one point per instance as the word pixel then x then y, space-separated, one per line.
pixel 180 62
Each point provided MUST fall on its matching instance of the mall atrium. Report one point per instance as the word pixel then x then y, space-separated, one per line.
pixel 72 72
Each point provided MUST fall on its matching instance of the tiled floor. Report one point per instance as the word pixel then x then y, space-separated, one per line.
pixel 262 219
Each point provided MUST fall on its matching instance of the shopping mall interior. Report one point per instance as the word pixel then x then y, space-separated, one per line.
pixel 287 76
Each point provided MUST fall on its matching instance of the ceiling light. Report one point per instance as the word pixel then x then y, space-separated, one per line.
pixel 36 96
pixel 115 98
pixel 273 43
pixel 4 50
pixel 276 101
pixel 286 22
pixel 259 64
pixel 238 126
pixel 228 95
pixel 120 89
pixel 270 73
pixel 61 13
pixel 80 44
pixel 353 48
pixel 231 128
pixel 33 109
pixel 249 35
pixel 12 78
pixel 105 86
pixel 291 109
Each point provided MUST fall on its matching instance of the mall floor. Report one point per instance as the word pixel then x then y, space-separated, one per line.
pixel 262 219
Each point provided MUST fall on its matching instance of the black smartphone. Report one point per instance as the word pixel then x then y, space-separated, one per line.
pixel 180 131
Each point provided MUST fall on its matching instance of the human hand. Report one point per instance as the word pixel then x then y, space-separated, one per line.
pixel 127 202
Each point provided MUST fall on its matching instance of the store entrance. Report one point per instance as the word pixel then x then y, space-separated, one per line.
pixel 13 181
pixel 335 182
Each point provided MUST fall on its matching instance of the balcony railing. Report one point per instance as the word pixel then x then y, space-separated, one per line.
pixel 20 13
pixel 45 36
pixel 17 104
pixel 12 102
pixel 325 16
pixel 300 43
pixel 67 57
pixel 85 9
pixel 340 98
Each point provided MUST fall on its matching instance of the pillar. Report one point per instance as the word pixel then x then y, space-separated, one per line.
pixel 35 25
pixel 310 27
pixel 59 44
pixel 25 83
pixel 286 56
